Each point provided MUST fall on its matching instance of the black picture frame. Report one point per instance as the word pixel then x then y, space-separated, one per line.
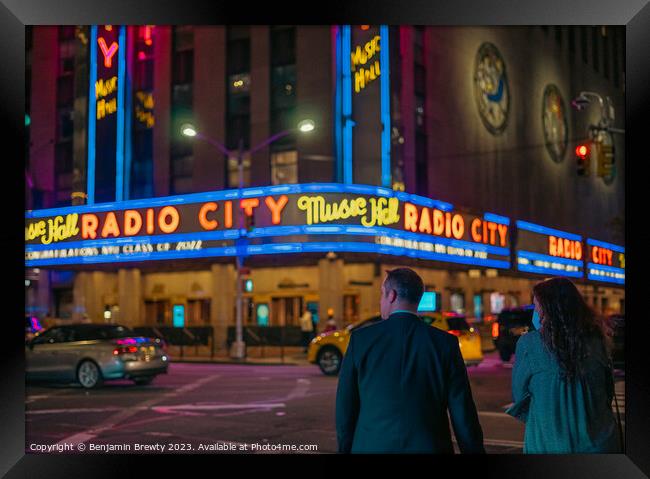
pixel 15 14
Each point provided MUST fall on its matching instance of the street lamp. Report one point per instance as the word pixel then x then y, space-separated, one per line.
pixel 238 348
pixel 583 100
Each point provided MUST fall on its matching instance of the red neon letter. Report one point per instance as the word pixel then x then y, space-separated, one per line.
pixel 492 227
pixel 132 222
pixel 248 205
pixel 150 221
pixel 203 218
pixel 228 215
pixel 438 222
pixel 457 226
pixel 108 52
pixel 425 221
pixel 168 212
pixel 474 229
pixel 110 226
pixel 503 230
pixel 410 217
pixel 276 208
pixel 89 223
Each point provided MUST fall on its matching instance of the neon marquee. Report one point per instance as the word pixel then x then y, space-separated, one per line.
pixel 347 217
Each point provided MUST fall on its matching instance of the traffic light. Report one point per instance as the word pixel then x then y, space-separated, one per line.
pixel 605 160
pixel 583 159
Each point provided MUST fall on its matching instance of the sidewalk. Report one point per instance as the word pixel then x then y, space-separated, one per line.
pixel 255 355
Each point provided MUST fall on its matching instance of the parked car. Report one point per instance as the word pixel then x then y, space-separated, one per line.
pixel 509 326
pixel 617 323
pixel 327 349
pixel 89 354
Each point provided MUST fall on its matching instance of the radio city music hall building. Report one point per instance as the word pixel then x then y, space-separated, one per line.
pixel 449 150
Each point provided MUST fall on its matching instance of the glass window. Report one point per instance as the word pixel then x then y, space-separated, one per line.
pixel 183 38
pixel 238 56
pixel 283 87
pixel 606 43
pixel 233 172
pixel 419 112
pixel 283 45
pixel 65 90
pixel 284 167
pixel 457 301
pixel 583 44
pixel 595 47
pixel 65 125
pixel 183 69
pixel 419 80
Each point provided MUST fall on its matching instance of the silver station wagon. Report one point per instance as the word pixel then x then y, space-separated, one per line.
pixel 89 354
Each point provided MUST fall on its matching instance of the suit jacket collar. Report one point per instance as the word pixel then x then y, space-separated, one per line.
pixel 403 313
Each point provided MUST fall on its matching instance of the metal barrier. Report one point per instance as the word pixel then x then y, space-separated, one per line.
pixel 189 336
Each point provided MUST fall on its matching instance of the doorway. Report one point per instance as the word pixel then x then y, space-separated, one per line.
pixel 286 311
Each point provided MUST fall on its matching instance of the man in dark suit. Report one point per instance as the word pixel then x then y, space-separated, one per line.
pixel 398 379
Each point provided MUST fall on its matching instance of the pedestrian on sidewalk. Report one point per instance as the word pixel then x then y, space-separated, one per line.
pixel 562 379
pixel 307 328
pixel 399 378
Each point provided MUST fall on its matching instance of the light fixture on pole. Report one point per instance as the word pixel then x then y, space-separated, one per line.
pixel 238 347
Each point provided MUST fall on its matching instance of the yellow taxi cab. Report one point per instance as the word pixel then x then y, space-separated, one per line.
pixel 327 349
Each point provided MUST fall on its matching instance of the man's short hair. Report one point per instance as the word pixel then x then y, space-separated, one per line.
pixel 407 283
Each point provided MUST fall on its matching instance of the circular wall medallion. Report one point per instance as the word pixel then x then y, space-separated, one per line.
pixel 491 89
pixel 554 123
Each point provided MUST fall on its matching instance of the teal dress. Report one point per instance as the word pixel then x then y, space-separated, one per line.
pixel 563 417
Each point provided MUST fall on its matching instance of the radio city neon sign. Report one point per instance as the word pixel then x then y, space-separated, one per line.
pixel 605 256
pixel 452 225
pixel 167 219
pixel 565 248
pixel 364 68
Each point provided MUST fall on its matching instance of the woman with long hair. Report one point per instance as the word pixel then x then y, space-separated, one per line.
pixel 562 380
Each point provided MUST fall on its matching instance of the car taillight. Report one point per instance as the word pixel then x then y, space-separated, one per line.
pixel 455 332
pixel 495 330
pixel 125 350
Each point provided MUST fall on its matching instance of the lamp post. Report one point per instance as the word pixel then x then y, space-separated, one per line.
pixel 238 348
pixel 583 100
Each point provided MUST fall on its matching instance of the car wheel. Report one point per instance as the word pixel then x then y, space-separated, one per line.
pixel 89 375
pixel 143 381
pixel 329 360
pixel 505 354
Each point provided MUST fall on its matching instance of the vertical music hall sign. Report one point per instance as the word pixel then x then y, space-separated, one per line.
pixel 362 129
pixel 106 113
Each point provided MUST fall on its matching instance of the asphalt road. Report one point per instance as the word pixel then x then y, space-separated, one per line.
pixel 213 408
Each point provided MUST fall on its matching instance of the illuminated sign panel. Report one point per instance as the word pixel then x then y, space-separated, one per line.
pixel 548 251
pixel 106 119
pixel 287 219
pixel 362 106
pixel 605 262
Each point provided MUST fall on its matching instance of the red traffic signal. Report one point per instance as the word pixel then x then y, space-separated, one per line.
pixel 583 157
pixel 582 151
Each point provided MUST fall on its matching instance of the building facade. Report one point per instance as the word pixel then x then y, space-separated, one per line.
pixel 477 118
